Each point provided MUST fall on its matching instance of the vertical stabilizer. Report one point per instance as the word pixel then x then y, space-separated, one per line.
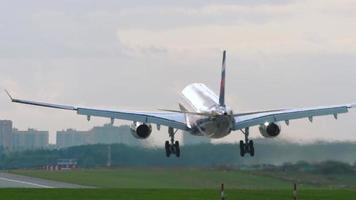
pixel 222 83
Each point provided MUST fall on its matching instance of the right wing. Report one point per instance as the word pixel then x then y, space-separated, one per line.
pixel 169 119
pixel 245 120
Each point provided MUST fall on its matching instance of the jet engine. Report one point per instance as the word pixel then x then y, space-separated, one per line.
pixel 141 130
pixel 270 130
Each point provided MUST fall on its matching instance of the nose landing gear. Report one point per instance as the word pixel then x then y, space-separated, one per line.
pixel 172 147
pixel 247 146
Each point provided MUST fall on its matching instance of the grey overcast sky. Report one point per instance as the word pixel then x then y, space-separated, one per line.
pixel 139 55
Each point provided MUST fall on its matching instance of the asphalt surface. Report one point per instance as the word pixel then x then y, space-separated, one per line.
pixel 16 181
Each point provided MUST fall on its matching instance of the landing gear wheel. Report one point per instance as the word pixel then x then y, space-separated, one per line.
pixel 247 145
pixel 177 149
pixel 251 148
pixel 168 148
pixel 242 148
pixel 172 146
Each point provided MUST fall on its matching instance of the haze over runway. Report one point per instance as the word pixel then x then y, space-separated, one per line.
pixel 116 54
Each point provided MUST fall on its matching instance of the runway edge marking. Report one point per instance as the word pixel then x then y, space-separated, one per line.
pixel 25 182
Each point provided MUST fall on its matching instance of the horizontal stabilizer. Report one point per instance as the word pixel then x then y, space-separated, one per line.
pixel 187 112
pixel 182 108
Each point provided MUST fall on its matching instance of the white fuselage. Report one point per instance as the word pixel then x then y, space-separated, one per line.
pixel 200 99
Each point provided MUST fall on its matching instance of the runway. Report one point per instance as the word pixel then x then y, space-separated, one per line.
pixel 8 180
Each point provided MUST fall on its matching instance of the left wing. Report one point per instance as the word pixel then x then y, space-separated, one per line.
pixel 254 119
pixel 169 119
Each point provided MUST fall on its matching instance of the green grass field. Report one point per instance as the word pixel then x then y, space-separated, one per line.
pixel 180 183
pixel 170 194
pixel 154 178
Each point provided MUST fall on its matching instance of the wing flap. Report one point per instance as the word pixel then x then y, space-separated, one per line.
pixel 174 120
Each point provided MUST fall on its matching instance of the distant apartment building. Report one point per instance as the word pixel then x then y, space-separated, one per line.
pixel 71 137
pixel 189 139
pixel 107 134
pixel 30 139
pixel 6 134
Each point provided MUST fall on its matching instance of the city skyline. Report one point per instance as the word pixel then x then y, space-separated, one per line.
pixel 13 139
pixel 32 138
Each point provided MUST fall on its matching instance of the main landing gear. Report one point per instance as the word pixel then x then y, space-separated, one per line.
pixel 172 147
pixel 247 146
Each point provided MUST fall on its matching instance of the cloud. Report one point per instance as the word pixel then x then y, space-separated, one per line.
pixel 298 28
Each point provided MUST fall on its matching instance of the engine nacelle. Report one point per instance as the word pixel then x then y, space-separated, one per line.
pixel 141 130
pixel 270 130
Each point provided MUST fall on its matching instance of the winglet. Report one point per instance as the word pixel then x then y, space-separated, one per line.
pixel 8 94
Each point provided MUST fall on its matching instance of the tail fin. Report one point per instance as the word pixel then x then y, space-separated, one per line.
pixel 222 83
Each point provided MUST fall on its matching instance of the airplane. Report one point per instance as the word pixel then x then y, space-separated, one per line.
pixel 203 113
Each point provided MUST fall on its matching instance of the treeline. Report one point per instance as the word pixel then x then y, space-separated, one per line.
pixel 321 168
pixel 205 155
